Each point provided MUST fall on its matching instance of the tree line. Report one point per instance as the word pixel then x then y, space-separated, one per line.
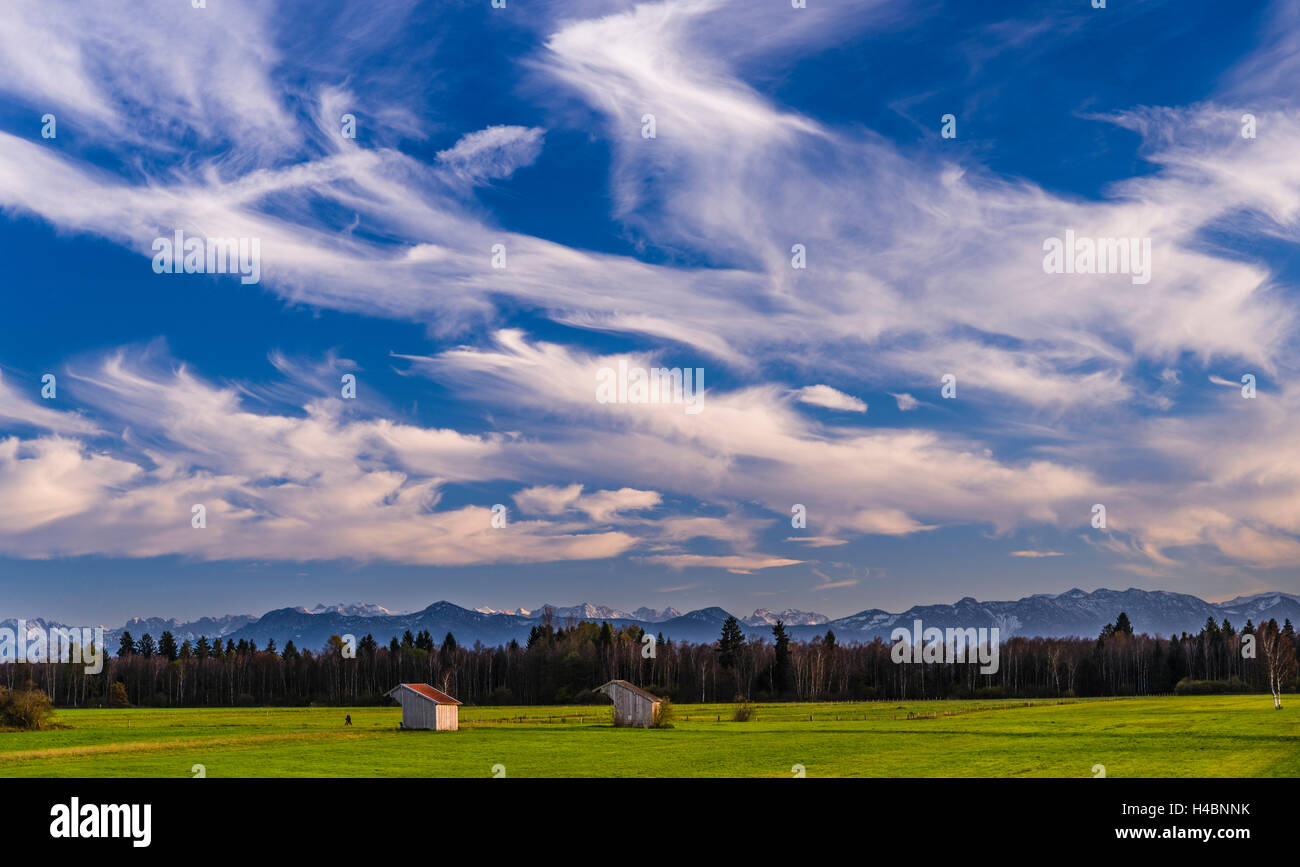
pixel 563 664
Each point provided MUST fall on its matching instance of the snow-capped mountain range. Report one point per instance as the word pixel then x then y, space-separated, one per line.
pixel 587 611
pixel 356 609
pixel 790 617
pixel 1073 613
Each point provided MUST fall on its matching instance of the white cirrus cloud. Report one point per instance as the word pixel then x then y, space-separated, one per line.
pixel 824 395
pixel 495 152
pixel 739 564
pixel 906 402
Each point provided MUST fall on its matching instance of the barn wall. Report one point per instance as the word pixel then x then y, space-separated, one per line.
pixel 448 717
pixel 416 712
pixel 631 709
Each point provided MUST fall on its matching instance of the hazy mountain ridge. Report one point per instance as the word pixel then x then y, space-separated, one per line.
pixel 790 617
pixel 212 627
pixel 1072 613
pixel 356 609
pixel 587 611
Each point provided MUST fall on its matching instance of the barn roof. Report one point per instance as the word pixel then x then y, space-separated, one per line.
pixel 436 696
pixel 636 689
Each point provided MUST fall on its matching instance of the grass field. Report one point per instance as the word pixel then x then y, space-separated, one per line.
pixel 1224 736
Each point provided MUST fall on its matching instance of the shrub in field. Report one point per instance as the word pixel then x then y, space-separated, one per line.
pixel 744 712
pixel 1187 686
pixel 665 715
pixel 502 695
pixel 27 709
pixel 991 692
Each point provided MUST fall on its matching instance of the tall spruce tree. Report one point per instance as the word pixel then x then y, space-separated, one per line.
pixel 730 643
pixel 782 664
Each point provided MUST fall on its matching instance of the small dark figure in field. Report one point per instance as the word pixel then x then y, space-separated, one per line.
pixel 347 720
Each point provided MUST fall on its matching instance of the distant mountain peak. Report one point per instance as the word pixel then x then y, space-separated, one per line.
pixel 354 609
pixel 517 612
pixel 789 617
pixel 711 613
pixel 585 611
pixel 650 615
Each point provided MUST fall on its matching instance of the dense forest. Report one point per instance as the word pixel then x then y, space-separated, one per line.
pixel 562 664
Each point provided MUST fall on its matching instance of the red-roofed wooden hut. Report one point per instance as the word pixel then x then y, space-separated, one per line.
pixel 424 707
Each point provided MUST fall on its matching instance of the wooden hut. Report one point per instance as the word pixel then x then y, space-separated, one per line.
pixel 424 707
pixel 633 706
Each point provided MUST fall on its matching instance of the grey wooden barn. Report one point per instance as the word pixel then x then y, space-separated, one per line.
pixel 424 707
pixel 633 706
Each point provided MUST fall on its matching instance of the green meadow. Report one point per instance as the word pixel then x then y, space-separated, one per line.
pixel 1203 736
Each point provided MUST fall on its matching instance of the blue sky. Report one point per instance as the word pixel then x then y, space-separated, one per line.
pixel 476 385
